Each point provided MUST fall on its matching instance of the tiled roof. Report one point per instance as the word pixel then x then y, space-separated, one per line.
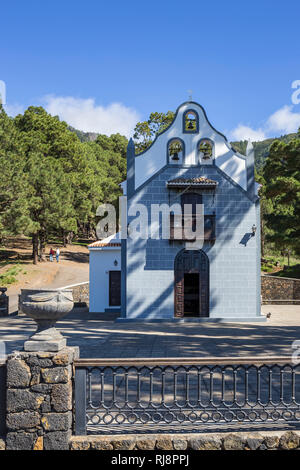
pixel 113 240
pixel 197 181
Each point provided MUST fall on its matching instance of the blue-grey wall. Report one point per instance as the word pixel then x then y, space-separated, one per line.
pixel 234 257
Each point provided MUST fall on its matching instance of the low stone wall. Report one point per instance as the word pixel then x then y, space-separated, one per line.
pixel 81 293
pixel 267 440
pixel 279 288
pixel 39 400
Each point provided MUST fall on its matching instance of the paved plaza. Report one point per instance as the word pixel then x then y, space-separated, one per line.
pixel 109 339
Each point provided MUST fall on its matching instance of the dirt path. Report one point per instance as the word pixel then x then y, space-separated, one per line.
pixel 73 268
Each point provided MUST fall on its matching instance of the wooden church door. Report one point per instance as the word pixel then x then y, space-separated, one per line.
pixel 191 288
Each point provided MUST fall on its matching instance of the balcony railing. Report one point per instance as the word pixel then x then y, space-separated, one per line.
pixel 177 228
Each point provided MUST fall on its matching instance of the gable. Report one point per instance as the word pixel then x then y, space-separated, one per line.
pixel 224 157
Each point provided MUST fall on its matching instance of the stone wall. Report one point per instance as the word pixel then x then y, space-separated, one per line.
pixel 279 288
pixel 39 400
pixel 265 440
pixel 81 293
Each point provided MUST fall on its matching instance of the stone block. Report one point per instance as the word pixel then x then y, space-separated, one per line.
pixel 20 440
pixel 56 375
pixel 35 361
pixel 234 442
pixel 164 443
pixel 2 444
pixel 57 440
pixel 39 443
pixel 101 445
pixel 61 397
pixel 23 399
pixel 180 444
pixel 123 444
pixel 205 443
pixel 23 420
pixel 289 440
pixel 145 444
pixel 57 421
pixel 18 374
pixel 80 445
pixel 271 442
pixel 254 441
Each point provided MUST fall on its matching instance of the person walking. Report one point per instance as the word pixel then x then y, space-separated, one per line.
pixel 57 254
pixel 51 253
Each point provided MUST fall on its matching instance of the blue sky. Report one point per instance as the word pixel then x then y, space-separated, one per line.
pixel 102 65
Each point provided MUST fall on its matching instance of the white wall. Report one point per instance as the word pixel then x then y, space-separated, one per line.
pixel 101 262
pixel 148 163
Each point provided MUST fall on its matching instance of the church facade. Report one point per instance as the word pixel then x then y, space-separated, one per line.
pixel 175 277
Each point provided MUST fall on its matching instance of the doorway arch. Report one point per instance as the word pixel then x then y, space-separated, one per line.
pixel 191 284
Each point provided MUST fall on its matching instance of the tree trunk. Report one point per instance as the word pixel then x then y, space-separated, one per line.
pixel 42 242
pixel 70 238
pixel 64 239
pixel 35 248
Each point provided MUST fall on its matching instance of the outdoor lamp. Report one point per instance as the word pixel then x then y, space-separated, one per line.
pixel 253 229
pixel 116 262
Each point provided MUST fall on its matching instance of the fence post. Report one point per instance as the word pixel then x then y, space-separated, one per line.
pixel 80 401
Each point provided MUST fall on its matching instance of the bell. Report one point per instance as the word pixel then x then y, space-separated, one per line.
pixel 175 156
pixel 191 126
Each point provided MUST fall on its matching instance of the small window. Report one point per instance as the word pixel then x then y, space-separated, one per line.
pixel 175 151
pixel 190 122
pixel 205 150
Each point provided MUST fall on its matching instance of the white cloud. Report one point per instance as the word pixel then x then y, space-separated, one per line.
pixel 13 109
pixel 283 121
pixel 85 115
pixel 246 133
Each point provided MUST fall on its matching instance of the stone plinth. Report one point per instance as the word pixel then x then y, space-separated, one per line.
pixel 39 400
pixel 263 440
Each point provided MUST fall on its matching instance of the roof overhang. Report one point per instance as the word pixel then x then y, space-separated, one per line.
pixel 199 183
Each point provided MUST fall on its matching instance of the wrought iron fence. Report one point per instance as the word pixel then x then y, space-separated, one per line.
pixel 144 395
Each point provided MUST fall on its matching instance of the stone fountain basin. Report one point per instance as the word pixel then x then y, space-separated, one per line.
pixel 46 304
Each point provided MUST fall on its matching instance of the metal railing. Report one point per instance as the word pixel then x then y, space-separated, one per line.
pixel 155 394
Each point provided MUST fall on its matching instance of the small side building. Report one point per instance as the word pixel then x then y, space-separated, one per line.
pixel 105 275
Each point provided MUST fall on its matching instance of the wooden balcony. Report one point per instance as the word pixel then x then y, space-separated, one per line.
pixel 177 232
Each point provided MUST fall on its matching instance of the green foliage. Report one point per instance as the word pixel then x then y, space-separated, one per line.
pixel 282 191
pixel 146 131
pixel 261 149
pixel 51 182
